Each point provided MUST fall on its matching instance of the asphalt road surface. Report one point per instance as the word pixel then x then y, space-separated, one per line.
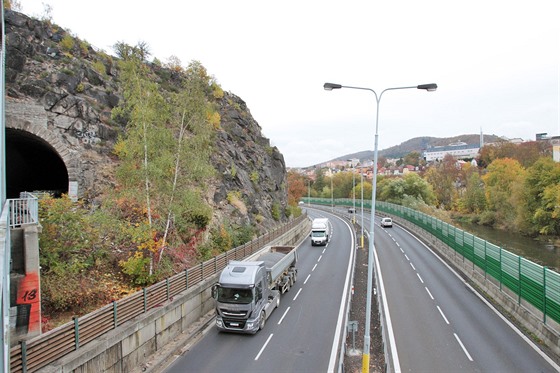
pixel 439 323
pixel 304 333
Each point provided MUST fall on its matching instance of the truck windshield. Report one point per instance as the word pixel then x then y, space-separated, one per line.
pixel 317 234
pixel 232 295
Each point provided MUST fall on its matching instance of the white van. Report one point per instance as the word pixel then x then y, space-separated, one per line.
pixel 320 231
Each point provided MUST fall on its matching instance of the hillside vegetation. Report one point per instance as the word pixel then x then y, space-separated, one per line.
pixel 187 171
pixel 513 187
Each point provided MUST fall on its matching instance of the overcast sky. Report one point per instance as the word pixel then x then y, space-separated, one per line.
pixel 496 63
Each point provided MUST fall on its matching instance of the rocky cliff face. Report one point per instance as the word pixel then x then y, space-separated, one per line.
pixel 60 92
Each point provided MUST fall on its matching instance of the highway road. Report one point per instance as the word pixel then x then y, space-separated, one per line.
pixel 438 322
pixel 303 334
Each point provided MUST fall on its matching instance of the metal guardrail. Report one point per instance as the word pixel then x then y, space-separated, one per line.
pixel 538 285
pixel 40 351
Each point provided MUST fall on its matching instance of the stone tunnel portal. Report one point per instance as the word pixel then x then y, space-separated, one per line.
pixel 32 164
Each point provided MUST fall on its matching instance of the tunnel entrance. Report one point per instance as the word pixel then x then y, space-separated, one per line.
pixel 32 164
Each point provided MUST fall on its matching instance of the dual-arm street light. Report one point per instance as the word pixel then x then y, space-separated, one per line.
pixel 329 87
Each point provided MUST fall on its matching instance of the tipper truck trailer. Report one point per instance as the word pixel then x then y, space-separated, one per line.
pixel 320 231
pixel 248 291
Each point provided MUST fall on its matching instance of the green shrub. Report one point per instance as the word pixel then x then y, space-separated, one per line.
pixel 84 47
pixel 487 218
pixel 99 66
pixel 67 43
pixel 137 267
pixel 275 211
pixel 254 177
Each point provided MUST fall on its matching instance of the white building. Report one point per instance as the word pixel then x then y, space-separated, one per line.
pixel 458 150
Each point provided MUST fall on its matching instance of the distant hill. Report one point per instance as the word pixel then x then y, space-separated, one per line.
pixel 418 144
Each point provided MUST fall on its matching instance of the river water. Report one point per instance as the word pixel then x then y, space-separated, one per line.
pixel 537 251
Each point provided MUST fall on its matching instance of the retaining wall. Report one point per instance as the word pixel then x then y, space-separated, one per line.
pixel 130 345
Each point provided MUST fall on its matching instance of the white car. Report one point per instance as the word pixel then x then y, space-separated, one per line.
pixel 387 222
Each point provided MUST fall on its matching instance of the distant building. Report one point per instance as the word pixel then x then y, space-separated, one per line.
pixel 555 141
pixel 458 150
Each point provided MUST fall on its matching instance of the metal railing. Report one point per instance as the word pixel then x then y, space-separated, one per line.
pixel 40 351
pixel 5 259
pixel 533 283
pixel 23 210
pixel 15 213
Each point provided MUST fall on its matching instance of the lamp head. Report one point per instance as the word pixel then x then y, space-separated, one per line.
pixel 331 86
pixel 428 87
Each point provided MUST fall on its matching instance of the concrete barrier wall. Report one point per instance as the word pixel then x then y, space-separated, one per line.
pixel 132 344
pixel 525 314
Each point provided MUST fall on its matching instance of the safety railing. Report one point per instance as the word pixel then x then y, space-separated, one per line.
pixel 23 210
pixel 15 213
pixel 40 351
pixel 528 281
pixel 5 259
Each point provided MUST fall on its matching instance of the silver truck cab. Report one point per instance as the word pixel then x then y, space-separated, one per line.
pixel 243 297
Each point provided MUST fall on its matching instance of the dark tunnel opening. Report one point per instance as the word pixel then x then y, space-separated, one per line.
pixel 32 164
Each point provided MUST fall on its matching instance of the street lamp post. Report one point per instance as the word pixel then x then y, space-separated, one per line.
pixel 332 194
pixel 329 87
pixel 362 188
pixel 308 192
pixel 353 193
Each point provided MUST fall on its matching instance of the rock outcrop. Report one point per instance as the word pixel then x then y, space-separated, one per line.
pixel 61 91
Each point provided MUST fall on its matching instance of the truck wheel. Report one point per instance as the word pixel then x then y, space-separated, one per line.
pixel 278 301
pixel 262 320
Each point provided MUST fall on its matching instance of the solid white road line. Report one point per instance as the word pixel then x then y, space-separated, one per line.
pixel 390 333
pixel 342 310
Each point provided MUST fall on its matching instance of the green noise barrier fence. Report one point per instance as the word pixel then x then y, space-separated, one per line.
pixel 530 282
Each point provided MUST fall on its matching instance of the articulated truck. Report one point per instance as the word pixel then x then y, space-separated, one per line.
pixel 248 291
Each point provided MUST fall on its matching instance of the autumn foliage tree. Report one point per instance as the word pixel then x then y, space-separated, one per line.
pixel 502 181
pixel 296 187
pixel 538 211
pixel 164 159
pixel 443 177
